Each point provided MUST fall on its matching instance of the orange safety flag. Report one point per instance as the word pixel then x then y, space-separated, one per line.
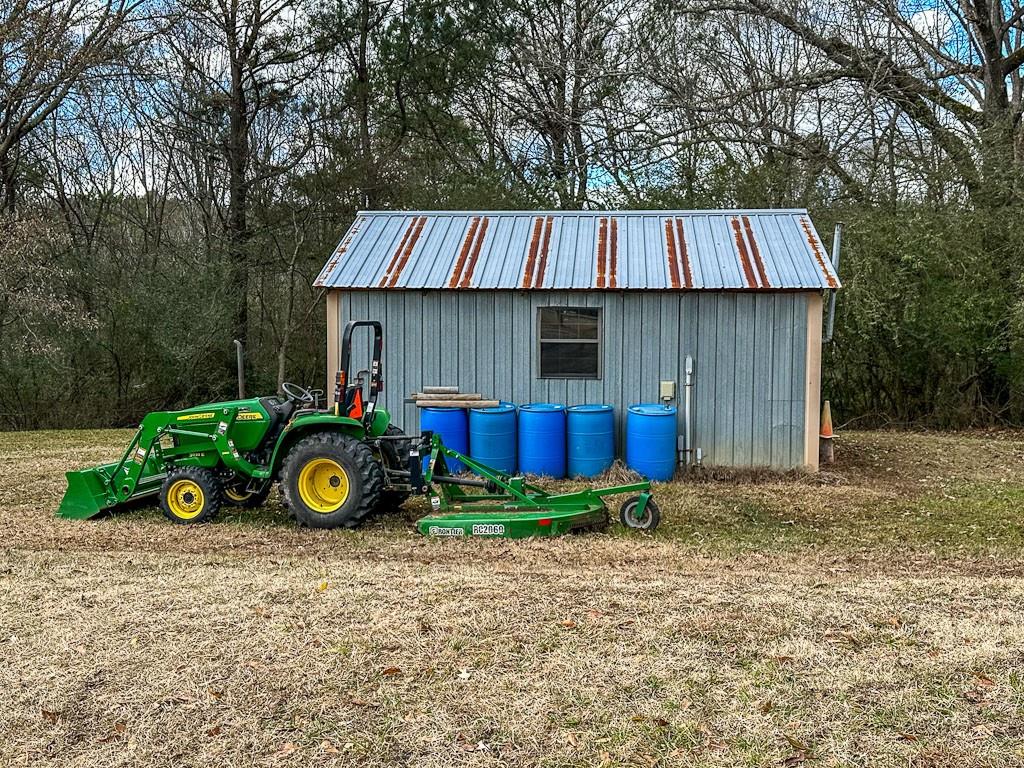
pixel 356 411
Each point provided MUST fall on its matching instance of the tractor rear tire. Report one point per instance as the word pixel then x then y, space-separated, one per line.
pixel 330 480
pixel 397 457
pixel 190 495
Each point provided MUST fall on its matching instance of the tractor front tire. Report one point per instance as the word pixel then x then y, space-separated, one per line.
pixel 331 480
pixel 190 495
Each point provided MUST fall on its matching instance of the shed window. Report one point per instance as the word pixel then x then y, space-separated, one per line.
pixel 570 342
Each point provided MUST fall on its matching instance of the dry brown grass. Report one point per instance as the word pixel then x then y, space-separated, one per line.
pixel 871 619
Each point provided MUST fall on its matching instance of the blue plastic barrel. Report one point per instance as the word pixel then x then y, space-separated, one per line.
pixel 542 439
pixel 453 426
pixel 590 431
pixel 651 440
pixel 492 436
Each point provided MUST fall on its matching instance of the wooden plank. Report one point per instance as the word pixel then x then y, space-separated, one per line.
pixel 456 403
pixel 812 377
pixel 426 394
pixel 440 390
pixel 333 335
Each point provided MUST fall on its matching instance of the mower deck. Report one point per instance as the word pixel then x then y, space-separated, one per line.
pixel 511 508
pixel 499 522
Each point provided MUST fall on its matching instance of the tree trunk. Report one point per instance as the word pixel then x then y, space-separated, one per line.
pixel 237 219
pixel 368 174
pixel 8 184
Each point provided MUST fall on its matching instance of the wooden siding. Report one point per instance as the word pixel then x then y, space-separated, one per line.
pixel 749 352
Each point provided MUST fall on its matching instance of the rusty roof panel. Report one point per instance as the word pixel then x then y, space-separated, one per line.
pixel 583 250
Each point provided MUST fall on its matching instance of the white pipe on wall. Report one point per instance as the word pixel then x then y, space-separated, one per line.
pixel 686 410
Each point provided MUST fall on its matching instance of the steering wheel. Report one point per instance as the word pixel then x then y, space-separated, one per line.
pixel 296 393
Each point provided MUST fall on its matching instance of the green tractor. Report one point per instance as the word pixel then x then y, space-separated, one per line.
pixel 335 466
pixel 330 462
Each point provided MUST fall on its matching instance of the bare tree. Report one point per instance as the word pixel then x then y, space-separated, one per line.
pixel 228 93
pixel 552 90
pixel 48 50
pixel 948 79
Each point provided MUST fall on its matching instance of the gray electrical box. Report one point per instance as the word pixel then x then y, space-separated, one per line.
pixel 668 391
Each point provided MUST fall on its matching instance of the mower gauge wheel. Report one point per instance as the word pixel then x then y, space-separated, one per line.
pixel 648 519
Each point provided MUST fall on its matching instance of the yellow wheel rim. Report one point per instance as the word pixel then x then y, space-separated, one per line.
pixel 323 485
pixel 185 499
pixel 236 495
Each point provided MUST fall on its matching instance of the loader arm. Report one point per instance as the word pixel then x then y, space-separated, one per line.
pixel 158 443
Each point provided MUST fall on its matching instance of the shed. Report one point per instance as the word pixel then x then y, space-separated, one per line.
pixel 600 307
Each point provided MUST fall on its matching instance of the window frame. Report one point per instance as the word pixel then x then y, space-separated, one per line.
pixel 598 342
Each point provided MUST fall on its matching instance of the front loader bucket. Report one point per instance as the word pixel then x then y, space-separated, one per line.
pixel 90 492
pixel 87 494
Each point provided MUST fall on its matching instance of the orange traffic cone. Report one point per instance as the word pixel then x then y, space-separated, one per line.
pixel 826 420
pixel 826 451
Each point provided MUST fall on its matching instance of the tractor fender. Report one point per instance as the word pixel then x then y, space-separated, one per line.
pixel 308 424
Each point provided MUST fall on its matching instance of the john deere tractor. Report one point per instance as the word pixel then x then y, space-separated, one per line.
pixel 335 465
pixel 331 462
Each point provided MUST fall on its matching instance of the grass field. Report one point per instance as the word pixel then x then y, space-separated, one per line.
pixel 869 616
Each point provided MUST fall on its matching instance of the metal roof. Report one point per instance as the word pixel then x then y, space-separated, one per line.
pixel 619 250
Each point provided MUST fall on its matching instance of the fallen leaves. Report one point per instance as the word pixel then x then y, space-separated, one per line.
pixel 118 731
pixel 391 672
pixel 801 751
pixel 51 717
pixel 286 749
pixel 980 690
